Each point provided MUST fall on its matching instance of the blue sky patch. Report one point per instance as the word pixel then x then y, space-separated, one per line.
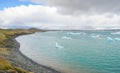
pixel 13 3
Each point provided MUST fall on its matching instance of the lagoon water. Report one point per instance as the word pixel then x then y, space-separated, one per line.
pixel 74 51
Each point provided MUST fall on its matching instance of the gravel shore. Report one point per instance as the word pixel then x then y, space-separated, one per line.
pixel 18 59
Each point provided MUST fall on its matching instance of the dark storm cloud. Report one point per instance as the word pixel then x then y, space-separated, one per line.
pixel 84 6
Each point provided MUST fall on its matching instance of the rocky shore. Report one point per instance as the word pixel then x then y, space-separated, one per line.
pixel 20 63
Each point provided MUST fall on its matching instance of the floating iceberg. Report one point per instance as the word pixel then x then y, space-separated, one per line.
pixel 76 33
pixel 110 39
pixel 65 37
pixel 58 46
pixel 95 36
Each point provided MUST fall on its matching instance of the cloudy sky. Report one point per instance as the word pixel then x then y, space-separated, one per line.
pixel 60 14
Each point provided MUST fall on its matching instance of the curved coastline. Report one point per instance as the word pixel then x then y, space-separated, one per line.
pixel 17 62
pixel 28 63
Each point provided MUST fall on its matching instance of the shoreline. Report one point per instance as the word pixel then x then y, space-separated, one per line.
pixel 16 58
pixel 50 70
pixel 35 67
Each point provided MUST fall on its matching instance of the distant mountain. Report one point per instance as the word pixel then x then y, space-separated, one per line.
pixel 27 27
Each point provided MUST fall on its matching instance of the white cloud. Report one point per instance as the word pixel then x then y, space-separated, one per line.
pixel 48 17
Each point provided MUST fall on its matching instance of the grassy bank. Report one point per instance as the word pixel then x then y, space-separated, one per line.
pixel 7 42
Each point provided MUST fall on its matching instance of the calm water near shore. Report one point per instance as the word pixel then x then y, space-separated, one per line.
pixel 74 51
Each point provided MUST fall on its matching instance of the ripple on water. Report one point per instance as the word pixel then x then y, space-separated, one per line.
pixel 78 54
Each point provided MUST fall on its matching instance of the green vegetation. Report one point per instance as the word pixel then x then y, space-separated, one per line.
pixel 7 66
pixel 4 64
pixel 5 43
pixel 4 51
pixel 20 70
